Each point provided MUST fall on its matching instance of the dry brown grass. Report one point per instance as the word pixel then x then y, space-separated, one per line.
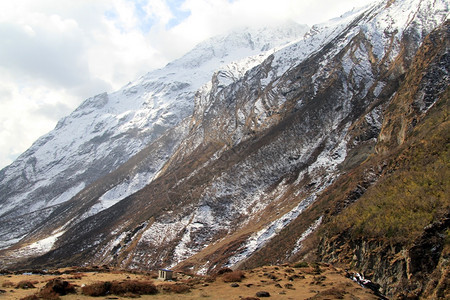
pixel 96 289
pixel 55 288
pixel 47 294
pixel 25 284
pixel 177 288
pixel 8 284
pixel 77 276
pixel 235 276
pixel 121 288
pixel 133 287
pixel 103 284
pixel 224 270
pixel 30 297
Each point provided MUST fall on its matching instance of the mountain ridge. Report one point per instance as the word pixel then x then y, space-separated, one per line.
pixel 148 108
pixel 264 148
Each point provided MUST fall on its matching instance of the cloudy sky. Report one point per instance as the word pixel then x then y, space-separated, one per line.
pixel 56 53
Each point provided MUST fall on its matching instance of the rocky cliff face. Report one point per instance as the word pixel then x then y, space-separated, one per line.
pixel 405 250
pixel 277 157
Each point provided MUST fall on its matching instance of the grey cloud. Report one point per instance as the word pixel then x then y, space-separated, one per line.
pixel 53 111
pixel 92 87
pixel 5 94
pixel 51 56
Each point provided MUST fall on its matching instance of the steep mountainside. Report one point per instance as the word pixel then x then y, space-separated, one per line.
pixel 109 129
pixel 389 217
pixel 333 147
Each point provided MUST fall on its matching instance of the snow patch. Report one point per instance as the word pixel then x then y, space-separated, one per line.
pixel 67 195
pixel 257 240
pixel 203 218
pixel 120 192
pixel 39 247
pixel 305 234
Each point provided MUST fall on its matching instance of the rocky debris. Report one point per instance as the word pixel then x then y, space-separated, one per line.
pixel 427 249
pixel 60 287
pixel 262 294
pixel 366 283
pixel 289 286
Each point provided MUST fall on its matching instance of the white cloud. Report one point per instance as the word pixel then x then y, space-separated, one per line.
pixel 27 111
pixel 54 54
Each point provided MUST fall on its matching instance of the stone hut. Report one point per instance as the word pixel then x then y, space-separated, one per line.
pixel 165 274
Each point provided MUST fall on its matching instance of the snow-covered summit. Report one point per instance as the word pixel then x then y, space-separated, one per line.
pixel 107 129
pixel 277 113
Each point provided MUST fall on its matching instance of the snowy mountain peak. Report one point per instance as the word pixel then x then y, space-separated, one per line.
pixel 238 152
pixel 107 129
pixel 240 43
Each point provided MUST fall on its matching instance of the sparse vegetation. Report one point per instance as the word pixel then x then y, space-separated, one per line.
pixel 224 270
pixel 31 297
pixel 55 288
pixel 7 284
pixel 122 288
pixel 177 288
pixel 96 289
pixel 133 287
pixel 47 294
pixel 118 284
pixel 235 276
pixel 301 264
pixel 412 194
pixel 77 276
pixel 25 284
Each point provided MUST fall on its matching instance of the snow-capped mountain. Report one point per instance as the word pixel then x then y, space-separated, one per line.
pixel 237 153
pixel 107 129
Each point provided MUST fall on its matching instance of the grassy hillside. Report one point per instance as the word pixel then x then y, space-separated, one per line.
pixel 415 190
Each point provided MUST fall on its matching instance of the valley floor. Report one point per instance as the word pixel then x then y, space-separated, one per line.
pixel 281 282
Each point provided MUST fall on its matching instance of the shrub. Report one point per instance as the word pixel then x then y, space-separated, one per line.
pixel 77 276
pixel 412 193
pixel 128 288
pixel 317 269
pixel 224 270
pixel 96 289
pixel 210 279
pixel 48 294
pixel 7 284
pixel 302 264
pixel 177 288
pixel 180 288
pixel 55 288
pixel 25 284
pixel 235 276
pixel 31 297
pixel 193 281
pixel 133 287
